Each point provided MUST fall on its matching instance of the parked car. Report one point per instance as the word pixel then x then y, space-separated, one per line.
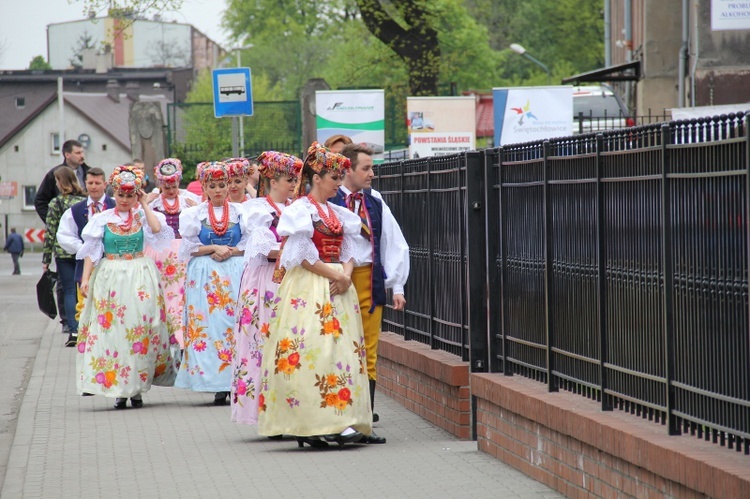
pixel 597 108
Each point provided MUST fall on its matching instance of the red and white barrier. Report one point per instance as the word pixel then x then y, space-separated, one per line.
pixel 34 235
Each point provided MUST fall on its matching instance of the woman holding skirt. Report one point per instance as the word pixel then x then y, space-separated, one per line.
pixel 123 341
pixel 258 300
pixel 213 240
pixel 313 379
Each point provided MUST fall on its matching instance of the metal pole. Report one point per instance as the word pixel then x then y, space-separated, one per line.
pixel 607 33
pixel 242 124
pixel 540 64
pixel 234 137
pixel 60 112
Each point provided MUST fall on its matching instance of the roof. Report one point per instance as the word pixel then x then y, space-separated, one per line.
pixel 630 71
pixel 36 97
pixel 110 116
pixel 485 116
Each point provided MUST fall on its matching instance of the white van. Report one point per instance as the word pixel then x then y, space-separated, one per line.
pixel 597 108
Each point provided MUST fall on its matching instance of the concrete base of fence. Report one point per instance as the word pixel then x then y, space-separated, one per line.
pixel 430 383
pixel 568 443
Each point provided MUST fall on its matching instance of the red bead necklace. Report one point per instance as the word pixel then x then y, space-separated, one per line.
pixel 331 220
pixel 274 206
pixel 128 223
pixel 171 210
pixel 219 227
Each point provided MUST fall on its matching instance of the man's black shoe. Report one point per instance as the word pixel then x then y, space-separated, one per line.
pixel 72 340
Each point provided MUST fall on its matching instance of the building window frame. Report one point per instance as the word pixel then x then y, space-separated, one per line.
pixel 54 143
pixel 29 194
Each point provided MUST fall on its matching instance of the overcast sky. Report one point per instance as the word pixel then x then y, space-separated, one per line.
pixel 23 24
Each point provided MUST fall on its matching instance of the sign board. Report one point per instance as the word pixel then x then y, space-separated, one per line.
pixel 439 126
pixel 34 235
pixel 525 114
pixel 358 114
pixel 8 190
pixel 233 92
pixel 730 15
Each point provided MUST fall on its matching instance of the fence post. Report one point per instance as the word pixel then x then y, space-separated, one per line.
pixel 601 276
pixel 668 273
pixel 170 110
pixel 493 282
pixel 430 257
pixel 548 294
pixel 476 244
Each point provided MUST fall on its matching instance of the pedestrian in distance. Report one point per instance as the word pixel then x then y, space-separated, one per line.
pixel 15 246
pixel 123 343
pixel 258 299
pixel 337 142
pixel 313 377
pixel 65 262
pixel 213 241
pixel 382 260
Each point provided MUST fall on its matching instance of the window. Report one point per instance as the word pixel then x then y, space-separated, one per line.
pixel 20 102
pixel 29 193
pixel 54 143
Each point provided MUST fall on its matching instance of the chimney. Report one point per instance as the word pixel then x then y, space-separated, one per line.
pixel 113 90
pixel 133 90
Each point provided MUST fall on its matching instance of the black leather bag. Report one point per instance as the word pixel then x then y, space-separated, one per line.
pixel 45 294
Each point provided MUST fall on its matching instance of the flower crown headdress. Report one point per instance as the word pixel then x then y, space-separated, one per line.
pixel 212 171
pixel 273 163
pixel 239 167
pixel 168 171
pixel 127 178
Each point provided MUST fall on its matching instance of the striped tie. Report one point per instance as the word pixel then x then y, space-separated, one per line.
pixel 362 212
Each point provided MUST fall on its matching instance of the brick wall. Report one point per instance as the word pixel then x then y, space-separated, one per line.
pixel 567 442
pixel 430 383
pixel 561 439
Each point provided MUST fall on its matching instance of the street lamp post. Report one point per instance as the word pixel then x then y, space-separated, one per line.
pixel 238 51
pixel 519 49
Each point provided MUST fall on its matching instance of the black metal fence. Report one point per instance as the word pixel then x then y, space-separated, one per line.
pixel 611 265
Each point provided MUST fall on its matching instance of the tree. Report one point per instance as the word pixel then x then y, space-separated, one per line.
pixel 85 42
pixel 169 54
pixel 39 63
pixel 407 28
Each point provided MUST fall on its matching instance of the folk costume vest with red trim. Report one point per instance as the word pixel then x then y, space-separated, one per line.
pixel 327 243
pixel 375 210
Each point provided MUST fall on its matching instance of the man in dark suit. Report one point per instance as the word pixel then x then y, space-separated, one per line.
pixel 47 191
pixel 75 219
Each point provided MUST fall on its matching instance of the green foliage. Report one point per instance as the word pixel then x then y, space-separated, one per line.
pixel 39 63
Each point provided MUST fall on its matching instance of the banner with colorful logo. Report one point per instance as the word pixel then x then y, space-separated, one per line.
pixel 441 125
pixel 524 114
pixel 358 114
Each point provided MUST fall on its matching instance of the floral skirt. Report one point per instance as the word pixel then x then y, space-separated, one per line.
pixel 313 374
pixel 211 290
pixel 172 274
pixel 123 340
pixel 256 307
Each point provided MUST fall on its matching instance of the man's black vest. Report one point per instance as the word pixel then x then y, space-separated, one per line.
pixel 80 212
pixel 375 209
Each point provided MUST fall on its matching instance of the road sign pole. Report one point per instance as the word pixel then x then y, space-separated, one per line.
pixel 242 137
pixel 235 142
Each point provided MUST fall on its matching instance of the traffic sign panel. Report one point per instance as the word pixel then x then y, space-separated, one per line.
pixel 34 235
pixel 233 92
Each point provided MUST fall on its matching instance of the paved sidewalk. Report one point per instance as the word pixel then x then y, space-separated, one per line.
pixel 180 445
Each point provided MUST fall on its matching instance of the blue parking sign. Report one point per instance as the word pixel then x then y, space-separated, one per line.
pixel 233 92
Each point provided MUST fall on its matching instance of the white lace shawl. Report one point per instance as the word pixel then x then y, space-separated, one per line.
pixel 258 219
pixel 191 220
pixel 93 233
pixel 296 222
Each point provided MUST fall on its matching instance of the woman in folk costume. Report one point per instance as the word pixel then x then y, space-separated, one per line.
pixel 313 377
pixel 213 240
pixel 170 202
pixel 239 170
pixel 123 341
pixel 257 302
